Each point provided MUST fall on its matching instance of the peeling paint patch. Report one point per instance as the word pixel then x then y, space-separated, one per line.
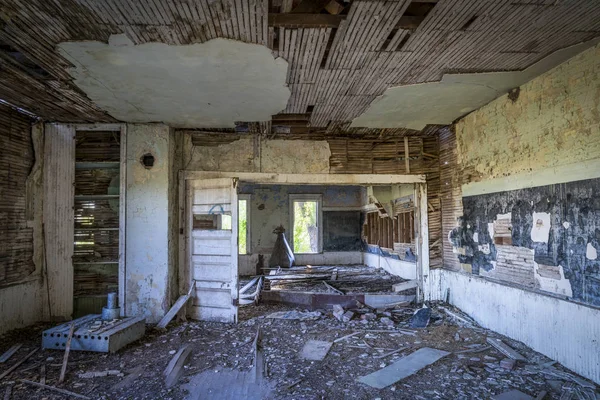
pixel 552 279
pixel 591 253
pixel 541 227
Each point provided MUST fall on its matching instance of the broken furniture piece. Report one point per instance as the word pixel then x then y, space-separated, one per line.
pixel 252 297
pixel 96 332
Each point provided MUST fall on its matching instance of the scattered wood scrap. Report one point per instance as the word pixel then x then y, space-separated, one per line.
pixel 174 369
pixel 162 324
pixel 16 365
pixel 8 353
pixel 129 379
pixel 63 370
pixel 505 349
pixel 402 286
pixel 55 389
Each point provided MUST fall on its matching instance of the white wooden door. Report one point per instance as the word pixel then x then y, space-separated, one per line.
pixel 212 248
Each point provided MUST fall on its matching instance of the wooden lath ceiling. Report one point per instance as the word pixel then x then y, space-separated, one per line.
pixel 341 55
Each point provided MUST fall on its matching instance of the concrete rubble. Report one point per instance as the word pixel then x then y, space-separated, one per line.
pixel 309 355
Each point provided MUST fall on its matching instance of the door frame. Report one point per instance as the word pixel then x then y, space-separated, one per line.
pixel 313 179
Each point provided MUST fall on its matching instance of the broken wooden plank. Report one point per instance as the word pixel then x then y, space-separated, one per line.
pixel 505 349
pixel 333 289
pixel 129 379
pixel 402 286
pixel 315 350
pixel 174 369
pixel 306 20
pixel 15 366
pixel 55 389
pixel 63 370
pixel 402 368
pixel 43 374
pixel 346 337
pixel 162 324
pixel 8 353
pixel 258 372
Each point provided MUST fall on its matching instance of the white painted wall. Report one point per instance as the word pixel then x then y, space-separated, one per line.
pixel 403 269
pixel 21 304
pixel 147 221
pixel 564 331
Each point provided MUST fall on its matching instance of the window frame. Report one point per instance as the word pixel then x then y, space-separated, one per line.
pixel 248 199
pixel 318 198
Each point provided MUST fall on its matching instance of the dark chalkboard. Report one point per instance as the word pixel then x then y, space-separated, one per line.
pixel 342 230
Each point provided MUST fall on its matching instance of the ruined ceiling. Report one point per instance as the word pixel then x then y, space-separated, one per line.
pixel 214 83
pixel 341 56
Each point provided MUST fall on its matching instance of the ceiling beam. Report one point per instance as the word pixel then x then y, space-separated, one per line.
pixel 305 20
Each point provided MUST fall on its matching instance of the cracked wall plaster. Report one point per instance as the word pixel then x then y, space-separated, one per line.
pixel 415 106
pixel 211 84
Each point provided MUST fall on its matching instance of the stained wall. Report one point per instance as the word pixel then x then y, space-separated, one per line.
pixel 527 167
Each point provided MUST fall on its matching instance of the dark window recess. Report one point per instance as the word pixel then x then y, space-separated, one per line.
pixel 147 160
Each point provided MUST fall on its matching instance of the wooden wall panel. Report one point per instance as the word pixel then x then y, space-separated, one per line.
pixel 356 156
pixel 16 160
pixel 59 175
pixel 451 193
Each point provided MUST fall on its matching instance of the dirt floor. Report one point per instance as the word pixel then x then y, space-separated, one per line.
pixel 472 371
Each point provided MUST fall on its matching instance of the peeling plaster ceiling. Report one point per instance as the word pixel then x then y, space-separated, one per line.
pixel 415 106
pixel 210 84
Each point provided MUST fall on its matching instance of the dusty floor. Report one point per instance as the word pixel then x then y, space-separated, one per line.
pixel 467 375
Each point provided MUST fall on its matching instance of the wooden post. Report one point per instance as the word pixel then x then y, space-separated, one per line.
pixel 406 155
pixel 63 370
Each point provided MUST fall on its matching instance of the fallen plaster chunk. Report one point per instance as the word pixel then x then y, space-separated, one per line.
pixel 591 253
pixel 315 350
pixel 338 311
pixel 403 368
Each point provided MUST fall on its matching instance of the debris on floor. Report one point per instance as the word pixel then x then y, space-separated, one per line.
pixel 181 301
pixel 316 350
pixel 221 354
pixel 402 368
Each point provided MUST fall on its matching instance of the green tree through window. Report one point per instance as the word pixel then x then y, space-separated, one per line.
pixel 242 227
pixel 306 233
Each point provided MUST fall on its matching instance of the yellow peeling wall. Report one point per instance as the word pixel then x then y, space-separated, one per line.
pixel 554 122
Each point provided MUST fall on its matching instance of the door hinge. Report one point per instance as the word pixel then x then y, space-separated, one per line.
pixel 235 302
